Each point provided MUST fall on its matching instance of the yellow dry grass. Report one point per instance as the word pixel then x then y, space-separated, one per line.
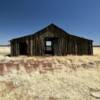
pixel 96 50
pixel 4 50
pixel 71 78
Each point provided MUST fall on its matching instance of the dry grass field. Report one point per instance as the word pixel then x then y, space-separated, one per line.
pixel 50 78
pixel 4 50
pixel 96 50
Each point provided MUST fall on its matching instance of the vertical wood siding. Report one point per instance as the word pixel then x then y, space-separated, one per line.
pixel 63 44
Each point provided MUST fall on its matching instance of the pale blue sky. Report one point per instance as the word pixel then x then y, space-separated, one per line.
pixel 23 17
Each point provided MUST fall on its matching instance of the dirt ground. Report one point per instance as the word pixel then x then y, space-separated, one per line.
pixel 50 78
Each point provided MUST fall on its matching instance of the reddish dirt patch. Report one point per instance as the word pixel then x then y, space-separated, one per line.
pixel 1 69
pixel 41 65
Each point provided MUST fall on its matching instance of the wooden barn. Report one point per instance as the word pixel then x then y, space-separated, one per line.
pixel 51 40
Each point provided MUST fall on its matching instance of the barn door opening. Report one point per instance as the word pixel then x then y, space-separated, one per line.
pixel 49 43
pixel 23 48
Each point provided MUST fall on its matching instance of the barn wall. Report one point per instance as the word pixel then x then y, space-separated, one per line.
pixel 40 46
pixel 66 44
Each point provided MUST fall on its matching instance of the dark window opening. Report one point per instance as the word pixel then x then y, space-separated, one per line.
pixel 23 48
pixel 49 46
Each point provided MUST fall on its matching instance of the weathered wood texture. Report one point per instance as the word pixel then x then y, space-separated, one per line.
pixel 64 43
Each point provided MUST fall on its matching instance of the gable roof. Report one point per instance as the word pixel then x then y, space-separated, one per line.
pixel 48 28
